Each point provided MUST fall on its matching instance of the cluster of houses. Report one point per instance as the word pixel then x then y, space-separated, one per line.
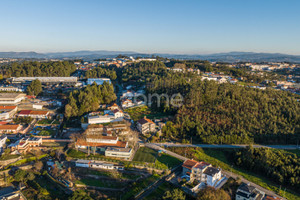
pixel 112 114
pixel 104 139
pixel 130 98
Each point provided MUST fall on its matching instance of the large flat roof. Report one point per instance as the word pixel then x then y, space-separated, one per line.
pixel 11 96
pixel 45 79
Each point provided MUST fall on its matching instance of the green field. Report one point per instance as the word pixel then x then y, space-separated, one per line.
pixel 145 154
pixel 167 160
pixel 100 183
pixel 219 158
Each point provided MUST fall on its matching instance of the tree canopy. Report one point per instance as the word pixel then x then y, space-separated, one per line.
pixel 35 88
pixel 35 68
pixel 89 98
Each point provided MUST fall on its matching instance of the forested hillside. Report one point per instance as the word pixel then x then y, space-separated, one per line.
pixel 100 72
pixel 143 71
pixel 219 113
pixel 279 166
pixel 226 113
pixel 34 68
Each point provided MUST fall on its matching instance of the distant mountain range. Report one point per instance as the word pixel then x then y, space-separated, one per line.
pixel 221 57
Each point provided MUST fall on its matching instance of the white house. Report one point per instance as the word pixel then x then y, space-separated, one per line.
pixel 202 172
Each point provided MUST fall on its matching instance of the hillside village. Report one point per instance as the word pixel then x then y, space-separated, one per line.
pixel 105 150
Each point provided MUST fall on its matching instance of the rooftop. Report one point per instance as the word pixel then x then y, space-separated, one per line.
pixel 211 171
pixel 11 96
pixel 189 164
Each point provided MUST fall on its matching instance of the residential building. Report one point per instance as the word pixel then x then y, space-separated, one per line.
pixel 113 107
pixel 248 192
pixel 11 193
pixel 98 81
pixel 123 153
pixel 98 165
pixel 145 125
pixel 202 172
pixel 7 112
pixel 24 144
pixel 11 89
pixel 10 128
pixel 105 117
pixel 11 98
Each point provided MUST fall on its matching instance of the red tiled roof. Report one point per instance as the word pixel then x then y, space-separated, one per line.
pixel 9 127
pixel 39 112
pixel 33 112
pixel 7 107
pixel 93 144
pixel 189 164
pixel 24 112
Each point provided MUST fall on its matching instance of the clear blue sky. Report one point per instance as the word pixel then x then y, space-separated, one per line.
pixel 152 26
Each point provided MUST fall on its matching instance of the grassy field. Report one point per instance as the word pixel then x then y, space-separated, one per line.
pixel 141 111
pixel 100 183
pixel 219 158
pixel 47 121
pixel 145 154
pixel 168 161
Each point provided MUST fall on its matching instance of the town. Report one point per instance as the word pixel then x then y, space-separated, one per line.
pixel 93 131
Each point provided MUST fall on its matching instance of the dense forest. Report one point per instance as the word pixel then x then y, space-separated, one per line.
pixel 226 113
pixel 280 166
pixel 34 69
pixel 143 71
pixel 88 99
pixel 100 72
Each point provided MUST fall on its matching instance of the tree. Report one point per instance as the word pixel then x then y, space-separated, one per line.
pixel 23 176
pixel 80 195
pixel 35 88
pixel 38 165
pixel 175 194
pixel 211 193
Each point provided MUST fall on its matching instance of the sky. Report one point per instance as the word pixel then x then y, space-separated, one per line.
pixel 151 26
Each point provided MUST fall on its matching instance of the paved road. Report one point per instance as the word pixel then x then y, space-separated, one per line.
pixel 226 173
pixel 225 145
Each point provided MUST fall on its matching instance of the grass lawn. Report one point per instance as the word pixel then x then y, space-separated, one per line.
pixel 141 111
pixel 100 183
pixel 8 156
pixel 76 154
pixel 47 132
pixel 48 121
pixel 219 158
pixel 168 160
pixel 145 154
